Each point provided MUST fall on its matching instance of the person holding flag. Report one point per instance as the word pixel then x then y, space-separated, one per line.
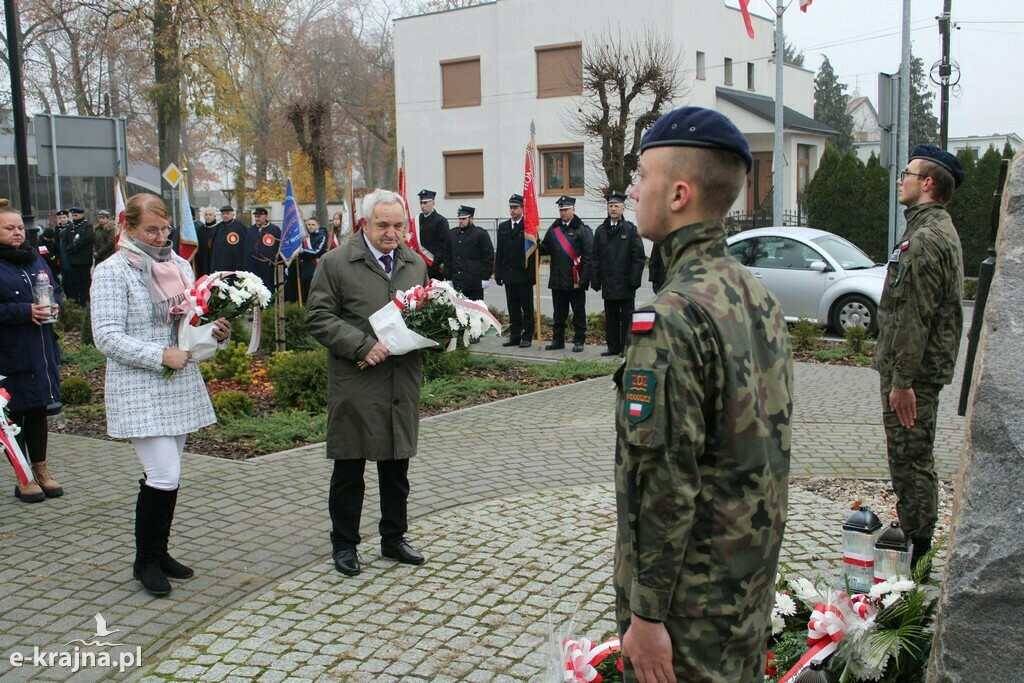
pixel 262 258
pixel 569 242
pixel 514 270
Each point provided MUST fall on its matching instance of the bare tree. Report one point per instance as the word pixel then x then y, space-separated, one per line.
pixel 627 84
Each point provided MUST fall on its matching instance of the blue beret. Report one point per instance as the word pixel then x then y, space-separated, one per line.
pixel 426 195
pixel 617 198
pixel 565 202
pixel 698 127
pixel 942 158
pixel 465 211
pixel 76 209
pixel 515 200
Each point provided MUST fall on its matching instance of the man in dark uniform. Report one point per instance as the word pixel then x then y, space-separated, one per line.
pixel 618 268
pixel 920 320
pixel 703 413
pixel 468 256
pixel 230 242
pixel 62 239
pixel 204 235
pixel 265 245
pixel 569 242
pixel 433 229
pixel 78 269
pixel 103 243
pixel 516 274
pixel 49 249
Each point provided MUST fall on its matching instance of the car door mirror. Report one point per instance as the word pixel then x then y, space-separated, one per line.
pixel 819 266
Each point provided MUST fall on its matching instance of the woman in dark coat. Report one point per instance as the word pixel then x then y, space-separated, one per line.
pixel 29 353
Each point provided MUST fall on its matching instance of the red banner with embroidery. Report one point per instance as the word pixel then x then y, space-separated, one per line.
pixel 566 246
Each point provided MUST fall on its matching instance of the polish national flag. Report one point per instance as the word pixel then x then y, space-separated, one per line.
pixel 804 4
pixel 745 9
pixel 119 209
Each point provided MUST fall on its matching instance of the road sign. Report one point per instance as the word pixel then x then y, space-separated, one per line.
pixel 87 146
pixel 172 175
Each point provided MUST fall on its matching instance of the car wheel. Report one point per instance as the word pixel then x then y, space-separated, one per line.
pixel 855 310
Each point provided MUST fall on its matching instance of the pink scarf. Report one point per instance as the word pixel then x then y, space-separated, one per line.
pixel 165 281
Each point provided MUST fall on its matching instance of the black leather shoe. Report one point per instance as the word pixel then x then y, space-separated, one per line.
pixel 525 344
pixel 609 352
pixel 511 342
pixel 346 561
pixel 402 552
pixel 554 346
pixel 577 347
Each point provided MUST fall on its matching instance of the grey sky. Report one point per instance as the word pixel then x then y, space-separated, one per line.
pixel 862 37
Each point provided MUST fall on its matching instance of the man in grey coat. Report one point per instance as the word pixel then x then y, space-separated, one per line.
pixel 373 413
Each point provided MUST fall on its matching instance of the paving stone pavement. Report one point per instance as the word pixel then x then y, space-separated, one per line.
pixel 488 482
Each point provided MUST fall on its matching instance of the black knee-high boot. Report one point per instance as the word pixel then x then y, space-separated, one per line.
pixel 150 522
pixel 172 568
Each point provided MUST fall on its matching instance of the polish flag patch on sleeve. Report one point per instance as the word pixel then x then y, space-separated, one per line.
pixel 643 322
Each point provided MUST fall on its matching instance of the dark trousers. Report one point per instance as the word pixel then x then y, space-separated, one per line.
pixel 33 437
pixel 912 462
pixel 76 281
pixel 346 501
pixel 563 299
pixel 473 294
pixel 617 316
pixel 519 300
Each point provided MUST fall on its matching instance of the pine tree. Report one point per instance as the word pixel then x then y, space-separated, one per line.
pixel 924 127
pixel 791 54
pixel 1008 150
pixel 830 105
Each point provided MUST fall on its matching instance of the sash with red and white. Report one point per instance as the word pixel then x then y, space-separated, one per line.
pixel 566 246
pixel 825 629
pixel 9 443
pixel 197 304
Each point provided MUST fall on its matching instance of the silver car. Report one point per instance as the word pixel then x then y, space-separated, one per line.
pixel 815 275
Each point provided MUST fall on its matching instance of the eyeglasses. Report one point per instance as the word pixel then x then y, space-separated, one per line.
pixel 166 230
pixel 904 173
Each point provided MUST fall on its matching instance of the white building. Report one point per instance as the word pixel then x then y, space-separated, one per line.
pixel 469 81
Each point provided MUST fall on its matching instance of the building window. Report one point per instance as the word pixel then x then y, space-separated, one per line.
pixel 464 173
pixel 563 169
pixel 803 168
pixel 728 71
pixel 700 65
pixel 750 75
pixel 460 82
pixel 560 70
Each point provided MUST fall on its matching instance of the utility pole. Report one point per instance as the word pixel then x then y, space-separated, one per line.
pixel 903 130
pixel 18 112
pixel 945 73
pixel 778 155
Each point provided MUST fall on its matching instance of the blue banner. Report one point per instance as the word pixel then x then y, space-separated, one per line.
pixel 293 230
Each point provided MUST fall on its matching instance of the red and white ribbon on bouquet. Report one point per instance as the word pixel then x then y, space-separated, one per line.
pixel 197 304
pixel 861 604
pixel 414 297
pixel 825 629
pixel 582 656
pixel 10 443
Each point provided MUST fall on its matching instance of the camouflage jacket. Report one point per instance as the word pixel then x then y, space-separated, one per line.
pixel 920 317
pixel 703 441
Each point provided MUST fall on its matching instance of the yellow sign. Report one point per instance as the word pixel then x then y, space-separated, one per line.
pixel 172 175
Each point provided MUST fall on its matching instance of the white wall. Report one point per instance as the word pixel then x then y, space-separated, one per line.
pixel 504 35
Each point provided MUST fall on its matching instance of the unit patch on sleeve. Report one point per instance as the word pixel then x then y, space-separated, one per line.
pixel 639 386
pixel 643 322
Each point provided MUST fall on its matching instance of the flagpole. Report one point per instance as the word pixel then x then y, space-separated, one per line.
pixel 536 249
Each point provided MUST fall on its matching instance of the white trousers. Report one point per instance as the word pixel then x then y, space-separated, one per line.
pixel 161 459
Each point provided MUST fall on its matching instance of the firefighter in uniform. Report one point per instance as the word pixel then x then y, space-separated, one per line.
pixel 433 229
pixel 516 272
pixel 266 242
pixel 569 242
pixel 230 242
pixel 618 268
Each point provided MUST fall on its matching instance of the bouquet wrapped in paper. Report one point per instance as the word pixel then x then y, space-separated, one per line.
pixel 9 444
pixel 434 316
pixel 224 294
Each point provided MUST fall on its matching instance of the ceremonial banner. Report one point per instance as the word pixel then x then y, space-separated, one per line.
pixel 744 5
pixel 293 230
pixel 188 240
pixel 412 236
pixel 531 215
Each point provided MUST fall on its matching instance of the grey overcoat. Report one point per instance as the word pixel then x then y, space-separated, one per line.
pixel 373 413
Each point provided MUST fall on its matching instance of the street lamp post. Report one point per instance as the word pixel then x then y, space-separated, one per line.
pixel 18 112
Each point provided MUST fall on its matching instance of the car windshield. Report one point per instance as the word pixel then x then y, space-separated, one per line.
pixel 845 253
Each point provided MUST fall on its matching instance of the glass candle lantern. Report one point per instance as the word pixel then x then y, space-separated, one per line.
pixel 892 554
pixel 860 531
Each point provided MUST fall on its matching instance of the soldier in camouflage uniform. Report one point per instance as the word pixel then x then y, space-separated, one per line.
pixel 919 325
pixel 703 425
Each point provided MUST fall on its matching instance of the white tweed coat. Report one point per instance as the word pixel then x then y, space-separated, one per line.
pixel 139 400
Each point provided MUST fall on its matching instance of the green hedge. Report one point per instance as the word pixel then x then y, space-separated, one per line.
pixel 300 379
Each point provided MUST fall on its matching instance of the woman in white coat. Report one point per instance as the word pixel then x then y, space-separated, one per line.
pixel 133 296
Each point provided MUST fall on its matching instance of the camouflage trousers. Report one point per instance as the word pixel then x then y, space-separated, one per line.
pixel 911 461
pixel 705 649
